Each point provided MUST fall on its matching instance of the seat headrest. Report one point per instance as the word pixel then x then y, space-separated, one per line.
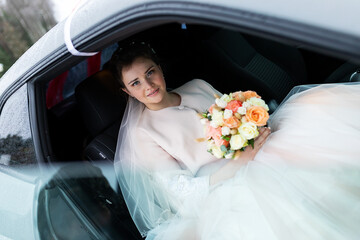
pixel 100 101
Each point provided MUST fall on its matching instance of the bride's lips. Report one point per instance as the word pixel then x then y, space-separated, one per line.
pixel 153 93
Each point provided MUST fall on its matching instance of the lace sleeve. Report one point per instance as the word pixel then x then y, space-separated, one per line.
pixel 182 185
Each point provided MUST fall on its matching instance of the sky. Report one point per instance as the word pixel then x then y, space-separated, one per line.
pixel 62 8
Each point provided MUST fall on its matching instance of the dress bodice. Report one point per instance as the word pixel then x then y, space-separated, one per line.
pixel 175 129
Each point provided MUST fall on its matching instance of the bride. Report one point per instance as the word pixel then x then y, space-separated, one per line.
pixel 302 181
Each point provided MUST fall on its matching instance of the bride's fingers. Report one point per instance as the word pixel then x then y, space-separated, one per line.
pixel 263 134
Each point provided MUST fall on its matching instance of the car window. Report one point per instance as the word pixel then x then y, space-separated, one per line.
pixel 16 146
pixel 79 203
pixel 63 86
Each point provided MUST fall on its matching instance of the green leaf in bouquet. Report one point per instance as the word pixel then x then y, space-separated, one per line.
pixel 223 148
pixel 229 151
pixel 226 138
pixel 251 142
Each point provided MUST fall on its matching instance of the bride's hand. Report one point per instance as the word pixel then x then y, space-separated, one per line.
pixel 249 153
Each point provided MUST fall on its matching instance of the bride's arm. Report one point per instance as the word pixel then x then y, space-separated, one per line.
pixel 166 171
pixel 180 182
pixel 229 170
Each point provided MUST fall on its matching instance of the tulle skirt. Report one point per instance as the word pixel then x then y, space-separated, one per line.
pixel 303 184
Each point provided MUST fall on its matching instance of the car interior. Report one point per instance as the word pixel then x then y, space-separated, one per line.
pixel 84 113
pixel 226 59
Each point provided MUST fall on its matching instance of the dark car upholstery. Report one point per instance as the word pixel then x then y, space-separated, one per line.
pixel 344 73
pixel 253 63
pixel 101 105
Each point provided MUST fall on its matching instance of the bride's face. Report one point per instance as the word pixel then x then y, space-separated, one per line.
pixel 144 80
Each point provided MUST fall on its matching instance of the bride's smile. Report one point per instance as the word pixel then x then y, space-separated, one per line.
pixel 153 93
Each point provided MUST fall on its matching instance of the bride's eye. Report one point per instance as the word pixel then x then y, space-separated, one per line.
pixel 150 72
pixel 135 83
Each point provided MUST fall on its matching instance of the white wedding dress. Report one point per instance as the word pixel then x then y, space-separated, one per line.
pixel 303 184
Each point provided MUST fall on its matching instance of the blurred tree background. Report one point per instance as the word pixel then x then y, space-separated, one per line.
pixel 22 23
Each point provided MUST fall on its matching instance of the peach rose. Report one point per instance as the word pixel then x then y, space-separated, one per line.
pixel 233 105
pixel 222 142
pixel 210 131
pixel 238 96
pixel 232 122
pixel 257 115
pixel 215 133
pixel 250 94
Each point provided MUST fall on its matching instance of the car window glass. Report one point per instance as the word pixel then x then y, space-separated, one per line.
pixel 16 146
pixel 63 86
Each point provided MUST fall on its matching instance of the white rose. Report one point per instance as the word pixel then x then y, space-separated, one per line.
pixel 248 130
pixel 241 110
pixel 254 101
pixel 227 113
pixel 214 124
pixel 229 155
pixel 237 142
pixel 246 105
pixel 217 118
pixel 216 151
pixel 225 131
pixel 221 103
pixel 226 98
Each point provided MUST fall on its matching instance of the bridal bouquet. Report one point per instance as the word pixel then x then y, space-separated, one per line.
pixel 233 122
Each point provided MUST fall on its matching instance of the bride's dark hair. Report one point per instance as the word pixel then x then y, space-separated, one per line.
pixel 125 55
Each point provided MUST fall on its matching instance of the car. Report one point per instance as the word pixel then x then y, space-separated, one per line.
pixel 60 108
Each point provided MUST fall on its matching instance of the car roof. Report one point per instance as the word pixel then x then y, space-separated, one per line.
pixel 337 16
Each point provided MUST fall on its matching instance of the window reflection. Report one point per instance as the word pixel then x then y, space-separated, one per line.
pixel 16 146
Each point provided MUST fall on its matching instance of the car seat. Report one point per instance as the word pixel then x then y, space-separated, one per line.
pixel 347 72
pixel 102 106
pixel 240 62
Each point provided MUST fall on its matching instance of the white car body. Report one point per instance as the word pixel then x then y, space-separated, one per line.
pixel 326 26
